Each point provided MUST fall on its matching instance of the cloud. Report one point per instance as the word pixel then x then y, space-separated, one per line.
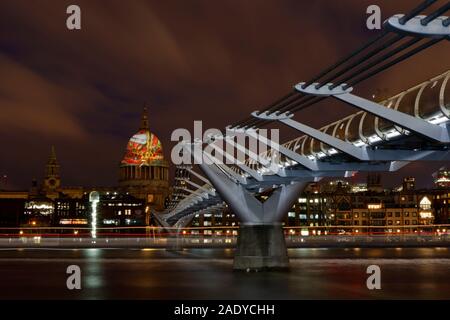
pixel 190 60
pixel 29 103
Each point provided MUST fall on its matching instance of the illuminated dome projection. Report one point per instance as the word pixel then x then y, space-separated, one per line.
pixel 143 148
pixel 144 173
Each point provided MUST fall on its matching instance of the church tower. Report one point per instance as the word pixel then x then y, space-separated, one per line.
pixel 52 179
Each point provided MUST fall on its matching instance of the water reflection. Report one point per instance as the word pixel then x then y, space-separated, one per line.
pixel 415 273
pixel 93 271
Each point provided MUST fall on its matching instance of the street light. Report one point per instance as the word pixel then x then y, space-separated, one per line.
pixel 94 198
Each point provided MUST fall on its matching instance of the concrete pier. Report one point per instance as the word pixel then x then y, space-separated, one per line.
pixel 261 247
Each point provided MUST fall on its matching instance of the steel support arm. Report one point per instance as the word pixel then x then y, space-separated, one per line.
pixel 410 123
pixel 304 161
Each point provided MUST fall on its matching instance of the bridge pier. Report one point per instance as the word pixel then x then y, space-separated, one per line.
pixel 175 244
pixel 261 243
pixel 261 247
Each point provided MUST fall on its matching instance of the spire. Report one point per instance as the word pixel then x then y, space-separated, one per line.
pixel 52 159
pixel 52 167
pixel 144 119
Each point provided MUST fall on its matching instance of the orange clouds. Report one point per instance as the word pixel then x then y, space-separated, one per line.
pixel 31 104
pixel 215 61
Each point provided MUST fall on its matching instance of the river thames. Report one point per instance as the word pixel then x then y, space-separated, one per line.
pixel 316 273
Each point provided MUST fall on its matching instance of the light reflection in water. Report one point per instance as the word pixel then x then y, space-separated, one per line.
pixel 93 270
pixel 414 273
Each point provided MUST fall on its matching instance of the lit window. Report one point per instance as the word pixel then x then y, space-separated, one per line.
pixel 425 215
pixel 425 204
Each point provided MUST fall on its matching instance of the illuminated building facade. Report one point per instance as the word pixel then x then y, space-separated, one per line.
pixel 382 212
pixel 71 212
pixel 337 204
pixel 442 178
pixel 119 209
pixel 360 187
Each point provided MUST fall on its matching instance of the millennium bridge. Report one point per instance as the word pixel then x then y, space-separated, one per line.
pixel 382 136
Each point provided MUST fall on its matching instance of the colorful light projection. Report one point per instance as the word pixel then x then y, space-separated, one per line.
pixel 142 149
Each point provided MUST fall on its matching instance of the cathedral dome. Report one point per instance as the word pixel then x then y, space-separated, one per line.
pixel 144 147
pixel 143 171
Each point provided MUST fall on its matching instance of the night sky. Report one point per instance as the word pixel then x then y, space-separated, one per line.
pixel 216 61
